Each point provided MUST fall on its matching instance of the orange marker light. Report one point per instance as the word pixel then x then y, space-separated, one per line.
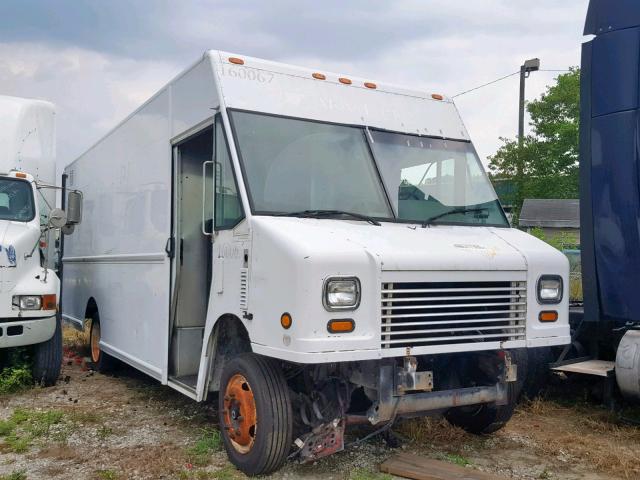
pixel 548 316
pixel 437 96
pixel 341 326
pixel 21 175
pixel 286 321
pixel 319 76
pixel 49 302
pixel 236 60
pixel 370 85
pixel 346 81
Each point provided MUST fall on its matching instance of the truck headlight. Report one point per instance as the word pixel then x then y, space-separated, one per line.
pixel 28 302
pixel 35 302
pixel 550 289
pixel 341 293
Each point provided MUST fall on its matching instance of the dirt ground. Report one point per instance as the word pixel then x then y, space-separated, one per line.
pixel 127 426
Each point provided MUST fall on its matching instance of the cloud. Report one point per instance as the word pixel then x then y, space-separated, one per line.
pixel 99 60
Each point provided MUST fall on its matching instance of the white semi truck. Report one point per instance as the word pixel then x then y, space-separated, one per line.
pixel 322 250
pixel 29 287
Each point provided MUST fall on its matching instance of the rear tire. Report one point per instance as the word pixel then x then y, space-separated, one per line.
pixel 255 417
pixel 489 418
pixel 102 362
pixel 47 358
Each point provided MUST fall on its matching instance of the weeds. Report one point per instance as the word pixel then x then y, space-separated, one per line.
pixel 15 378
pixel 24 426
pixel 364 474
pixel 16 475
pixel 107 475
pixel 456 459
pixel 104 432
pixel 209 442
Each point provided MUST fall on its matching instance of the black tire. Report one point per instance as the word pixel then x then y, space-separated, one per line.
pixel 489 418
pixel 47 358
pixel 538 360
pixel 271 439
pixel 102 361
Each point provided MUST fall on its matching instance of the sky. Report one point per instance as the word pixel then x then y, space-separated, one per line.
pixel 99 60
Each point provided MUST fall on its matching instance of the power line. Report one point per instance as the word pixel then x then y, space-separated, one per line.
pixel 503 78
pixel 487 84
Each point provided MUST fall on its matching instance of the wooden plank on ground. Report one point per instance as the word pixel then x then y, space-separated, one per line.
pixel 421 468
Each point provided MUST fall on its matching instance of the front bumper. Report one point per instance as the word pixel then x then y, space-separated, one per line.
pixel 19 332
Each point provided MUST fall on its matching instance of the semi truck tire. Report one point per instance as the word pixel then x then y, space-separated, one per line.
pixel 47 358
pixel 489 418
pixel 102 362
pixel 628 365
pixel 254 408
pixel 538 360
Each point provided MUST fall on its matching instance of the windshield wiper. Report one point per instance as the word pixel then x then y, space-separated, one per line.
pixel 430 220
pixel 328 213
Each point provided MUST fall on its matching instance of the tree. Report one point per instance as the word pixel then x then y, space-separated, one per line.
pixel 548 157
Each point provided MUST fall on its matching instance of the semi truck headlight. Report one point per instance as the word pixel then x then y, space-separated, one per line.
pixel 550 289
pixel 341 293
pixel 35 302
pixel 28 302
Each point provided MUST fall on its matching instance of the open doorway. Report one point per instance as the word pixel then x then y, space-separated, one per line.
pixel 192 259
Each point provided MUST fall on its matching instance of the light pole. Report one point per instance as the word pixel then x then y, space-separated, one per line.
pixel 529 66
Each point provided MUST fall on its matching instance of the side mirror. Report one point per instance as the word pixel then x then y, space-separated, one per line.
pixel 74 207
pixel 57 218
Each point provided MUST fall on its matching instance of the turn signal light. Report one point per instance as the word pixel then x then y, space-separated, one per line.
pixel 437 96
pixel 548 316
pixel 370 85
pixel 236 60
pixel 21 175
pixel 286 321
pixel 341 326
pixel 319 76
pixel 346 81
pixel 49 302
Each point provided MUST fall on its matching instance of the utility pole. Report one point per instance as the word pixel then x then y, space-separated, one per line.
pixel 529 66
pixel 526 68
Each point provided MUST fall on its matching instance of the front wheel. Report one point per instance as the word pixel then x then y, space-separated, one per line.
pixel 254 409
pixel 489 418
pixel 47 358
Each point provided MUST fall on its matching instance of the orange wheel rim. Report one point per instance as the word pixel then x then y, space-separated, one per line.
pixel 240 416
pixel 95 342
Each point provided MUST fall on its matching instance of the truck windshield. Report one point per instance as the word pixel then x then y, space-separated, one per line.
pixel 16 200
pixel 299 165
pixel 435 180
pixel 294 166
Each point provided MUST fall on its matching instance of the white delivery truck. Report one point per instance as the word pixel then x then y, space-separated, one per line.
pixel 29 288
pixel 321 250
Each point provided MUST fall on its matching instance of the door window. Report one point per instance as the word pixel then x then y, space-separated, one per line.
pixel 228 207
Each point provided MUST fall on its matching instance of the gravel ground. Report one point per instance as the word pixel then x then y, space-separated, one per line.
pixel 127 426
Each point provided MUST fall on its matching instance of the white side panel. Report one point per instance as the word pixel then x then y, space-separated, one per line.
pixel 117 255
pixel 193 98
pixel 27 137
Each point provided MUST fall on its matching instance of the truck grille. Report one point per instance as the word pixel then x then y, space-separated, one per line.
pixel 444 313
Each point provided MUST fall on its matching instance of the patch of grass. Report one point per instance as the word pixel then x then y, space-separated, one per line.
pixel 364 474
pixel 24 426
pixel 104 432
pixel 225 473
pixel 210 441
pixel 544 475
pixel 456 459
pixel 78 416
pixel 15 378
pixel 107 475
pixel 15 475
